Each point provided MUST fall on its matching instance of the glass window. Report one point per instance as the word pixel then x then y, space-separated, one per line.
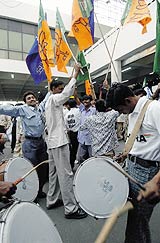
pixel 15 55
pixel 14 26
pixel 15 41
pixel 3 54
pixel 27 42
pixel 3 39
pixel 28 29
pixel 4 23
pixel 24 56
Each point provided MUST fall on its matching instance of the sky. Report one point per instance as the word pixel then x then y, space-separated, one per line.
pixel 64 5
pixel 108 12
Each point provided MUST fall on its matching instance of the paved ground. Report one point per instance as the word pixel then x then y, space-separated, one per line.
pixel 86 230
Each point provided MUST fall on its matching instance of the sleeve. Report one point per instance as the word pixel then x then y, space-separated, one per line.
pixel 10 110
pixel 154 114
pixel 43 103
pixel 81 107
pixel 60 99
pixel 66 121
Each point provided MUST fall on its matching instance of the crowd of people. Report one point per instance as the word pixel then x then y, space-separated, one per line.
pixel 89 130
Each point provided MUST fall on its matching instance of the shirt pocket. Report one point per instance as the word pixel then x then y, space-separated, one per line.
pixel 31 120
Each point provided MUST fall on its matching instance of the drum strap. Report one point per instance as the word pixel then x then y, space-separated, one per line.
pixel 135 130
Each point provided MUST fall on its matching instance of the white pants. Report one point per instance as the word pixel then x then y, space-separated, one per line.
pixel 61 179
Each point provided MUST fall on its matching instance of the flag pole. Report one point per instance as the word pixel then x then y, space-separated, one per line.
pixel 72 53
pixel 92 86
pixel 106 46
pixel 90 81
pixel 113 52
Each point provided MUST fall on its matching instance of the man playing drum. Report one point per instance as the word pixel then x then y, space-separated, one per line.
pixel 144 157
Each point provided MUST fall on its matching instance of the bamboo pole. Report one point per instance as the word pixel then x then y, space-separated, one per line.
pixel 109 223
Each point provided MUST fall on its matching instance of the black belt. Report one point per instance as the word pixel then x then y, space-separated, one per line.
pixel 33 138
pixel 143 162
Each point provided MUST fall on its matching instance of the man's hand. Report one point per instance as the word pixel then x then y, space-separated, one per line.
pixel 120 158
pixel 7 188
pixel 152 191
pixel 77 67
pixel 3 138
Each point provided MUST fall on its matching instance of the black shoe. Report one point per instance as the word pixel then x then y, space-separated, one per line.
pixel 79 214
pixel 59 203
pixel 41 194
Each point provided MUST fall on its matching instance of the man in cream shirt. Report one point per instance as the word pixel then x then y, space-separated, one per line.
pixel 60 172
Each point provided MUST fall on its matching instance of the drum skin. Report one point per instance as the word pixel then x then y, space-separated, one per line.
pixel 25 222
pixel 14 169
pixel 100 188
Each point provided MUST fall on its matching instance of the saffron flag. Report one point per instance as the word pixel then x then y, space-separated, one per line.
pixel 45 43
pixel 35 65
pixel 83 23
pixel 138 12
pixel 88 88
pixel 62 50
pixel 156 65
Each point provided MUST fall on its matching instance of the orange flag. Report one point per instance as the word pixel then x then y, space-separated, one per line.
pixel 139 12
pixel 45 44
pixel 81 29
pixel 88 88
pixel 62 50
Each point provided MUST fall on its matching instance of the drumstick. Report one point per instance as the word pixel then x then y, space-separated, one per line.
pixel 29 172
pixel 127 175
pixel 109 223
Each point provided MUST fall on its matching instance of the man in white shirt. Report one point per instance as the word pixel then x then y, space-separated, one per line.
pixel 60 172
pixel 144 157
pixel 72 121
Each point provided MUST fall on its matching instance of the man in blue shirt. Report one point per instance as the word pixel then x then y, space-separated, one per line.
pixel 33 123
pixel 84 139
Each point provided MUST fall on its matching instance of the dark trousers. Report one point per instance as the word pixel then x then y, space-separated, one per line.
pixel 73 146
pixel 138 230
pixel 36 152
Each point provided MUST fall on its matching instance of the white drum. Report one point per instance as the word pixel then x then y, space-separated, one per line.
pixel 99 188
pixel 26 222
pixel 14 169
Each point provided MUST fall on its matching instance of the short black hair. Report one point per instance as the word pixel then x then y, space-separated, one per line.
pixel 55 84
pixel 117 94
pixel 86 97
pixel 100 105
pixel 28 93
pixel 72 103
pixel 140 92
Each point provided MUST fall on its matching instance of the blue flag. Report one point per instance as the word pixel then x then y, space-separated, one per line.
pixel 35 65
pixel 91 20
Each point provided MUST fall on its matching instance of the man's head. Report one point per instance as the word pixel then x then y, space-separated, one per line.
pixel 86 99
pixel 72 103
pixel 100 105
pixel 29 98
pixel 56 87
pixel 121 98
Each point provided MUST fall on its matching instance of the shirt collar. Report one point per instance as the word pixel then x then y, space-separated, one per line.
pixel 32 108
